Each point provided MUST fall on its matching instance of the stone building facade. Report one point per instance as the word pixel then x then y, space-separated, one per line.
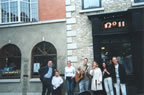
pixel 80 28
pixel 71 33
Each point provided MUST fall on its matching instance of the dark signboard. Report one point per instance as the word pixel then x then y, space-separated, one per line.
pixel 111 23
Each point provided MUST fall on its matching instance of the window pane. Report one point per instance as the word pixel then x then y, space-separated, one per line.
pixel 87 4
pixel 25 11
pixel 34 11
pixel 5 12
pixel 4 0
pixel 136 1
pixel 13 11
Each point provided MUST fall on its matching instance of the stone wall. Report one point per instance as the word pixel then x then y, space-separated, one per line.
pixel 25 37
pixel 79 28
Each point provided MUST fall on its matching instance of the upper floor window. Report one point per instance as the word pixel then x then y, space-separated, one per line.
pixel 10 62
pixel 18 11
pixel 91 4
pixel 41 54
pixel 138 1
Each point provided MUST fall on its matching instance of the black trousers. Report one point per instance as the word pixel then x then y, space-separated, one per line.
pixel 97 92
pixel 57 91
pixel 46 86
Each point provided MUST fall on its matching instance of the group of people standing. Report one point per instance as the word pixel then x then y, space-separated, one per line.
pixel 84 75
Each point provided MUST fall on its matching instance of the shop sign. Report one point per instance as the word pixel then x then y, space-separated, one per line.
pixel 114 24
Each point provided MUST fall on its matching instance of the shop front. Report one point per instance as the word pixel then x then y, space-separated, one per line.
pixel 120 34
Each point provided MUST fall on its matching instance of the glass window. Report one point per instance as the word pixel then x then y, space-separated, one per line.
pixel 138 1
pixel 4 0
pixel 14 11
pixel 28 11
pixel 89 4
pixel 25 12
pixel 34 10
pixel 10 62
pixel 5 12
pixel 41 54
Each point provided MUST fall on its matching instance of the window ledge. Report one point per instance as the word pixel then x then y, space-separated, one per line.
pixel 31 23
pixel 35 80
pixel 137 4
pixel 91 10
pixel 9 80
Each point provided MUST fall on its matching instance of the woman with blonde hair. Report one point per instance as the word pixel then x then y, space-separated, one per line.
pixel 69 77
pixel 96 84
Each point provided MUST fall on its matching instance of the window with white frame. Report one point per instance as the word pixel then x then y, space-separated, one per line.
pixel 18 11
pixel 138 1
pixel 91 4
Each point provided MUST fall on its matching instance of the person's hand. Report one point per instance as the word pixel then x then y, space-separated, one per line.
pixel 105 70
pixel 54 86
pixel 99 83
pixel 59 84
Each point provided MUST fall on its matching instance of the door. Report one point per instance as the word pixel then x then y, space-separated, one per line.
pixel 119 46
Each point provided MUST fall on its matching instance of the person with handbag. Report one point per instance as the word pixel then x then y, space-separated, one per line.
pixel 96 84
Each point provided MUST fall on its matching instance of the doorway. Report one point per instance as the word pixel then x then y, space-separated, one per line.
pixel 120 47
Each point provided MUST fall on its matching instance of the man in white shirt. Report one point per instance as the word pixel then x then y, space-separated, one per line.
pixel 119 77
pixel 56 83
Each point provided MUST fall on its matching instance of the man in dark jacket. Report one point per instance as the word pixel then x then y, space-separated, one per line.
pixel 46 74
pixel 119 77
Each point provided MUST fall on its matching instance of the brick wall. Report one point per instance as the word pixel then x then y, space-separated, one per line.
pixel 51 9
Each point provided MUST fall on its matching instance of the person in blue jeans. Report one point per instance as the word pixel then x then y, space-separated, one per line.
pixel 84 82
pixel 107 79
pixel 119 77
pixel 69 76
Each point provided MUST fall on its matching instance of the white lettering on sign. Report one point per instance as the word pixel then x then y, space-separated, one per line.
pixel 118 24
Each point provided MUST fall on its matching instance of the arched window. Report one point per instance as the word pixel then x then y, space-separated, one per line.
pixel 41 54
pixel 10 62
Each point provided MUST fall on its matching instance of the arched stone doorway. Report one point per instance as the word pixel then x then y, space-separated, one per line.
pixel 41 54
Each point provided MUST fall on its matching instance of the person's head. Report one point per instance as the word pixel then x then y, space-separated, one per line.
pixel 56 73
pixel 115 60
pixel 85 61
pixel 95 65
pixel 69 63
pixel 104 65
pixel 50 63
pixel 79 68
